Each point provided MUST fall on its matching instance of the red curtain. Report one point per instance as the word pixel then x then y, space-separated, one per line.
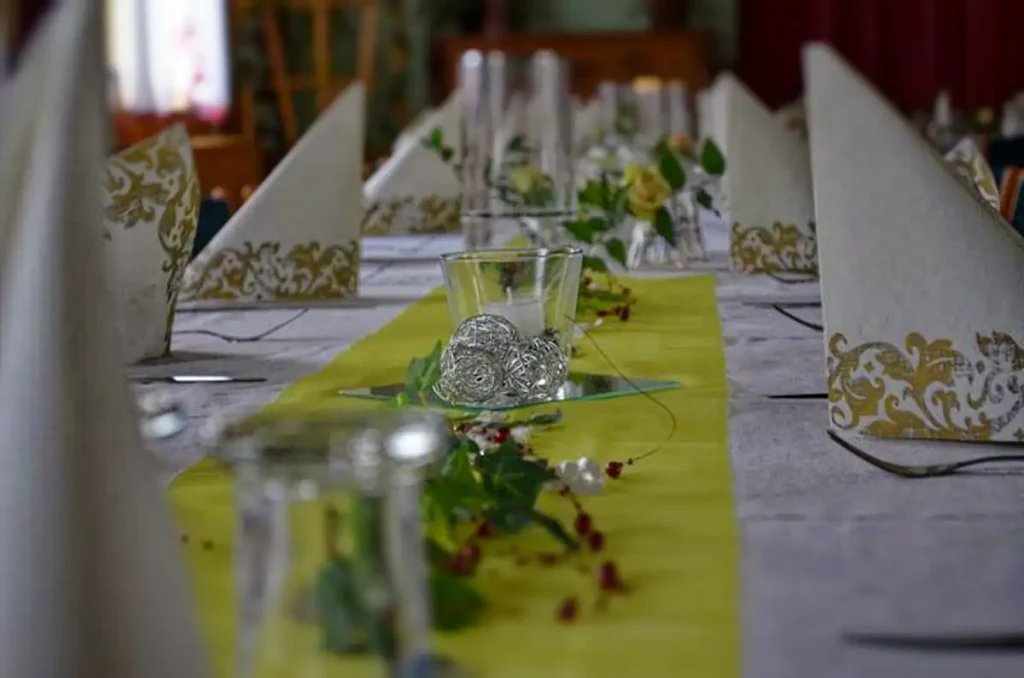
pixel 911 49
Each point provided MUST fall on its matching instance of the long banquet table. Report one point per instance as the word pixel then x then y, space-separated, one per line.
pixel 829 545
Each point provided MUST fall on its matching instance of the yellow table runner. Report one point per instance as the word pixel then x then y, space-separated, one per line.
pixel 668 521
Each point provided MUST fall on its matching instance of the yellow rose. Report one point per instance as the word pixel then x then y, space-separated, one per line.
pixel 525 177
pixel 648 190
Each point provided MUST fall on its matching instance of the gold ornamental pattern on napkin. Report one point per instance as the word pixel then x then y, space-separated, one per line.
pixel 151 204
pixel 416 215
pixel 271 271
pixel 780 248
pixel 928 389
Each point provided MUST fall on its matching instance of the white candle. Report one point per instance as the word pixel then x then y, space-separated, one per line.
pixel 526 313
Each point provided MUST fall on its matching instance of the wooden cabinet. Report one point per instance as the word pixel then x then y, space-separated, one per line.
pixel 593 57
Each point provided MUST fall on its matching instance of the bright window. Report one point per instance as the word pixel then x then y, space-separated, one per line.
pixel 169 56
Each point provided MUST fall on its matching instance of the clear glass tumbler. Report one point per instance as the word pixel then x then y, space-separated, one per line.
pixel 535 289
pixel 330 564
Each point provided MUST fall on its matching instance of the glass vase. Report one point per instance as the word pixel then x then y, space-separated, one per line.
pixel 330 565
pixel 517 137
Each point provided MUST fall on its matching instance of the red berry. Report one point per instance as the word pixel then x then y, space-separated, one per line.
pixel 613 469
pixel 596 540
pixel 461 565
pixel 470 552
pixel 484 530
pixel 462 428
pixel 608 577
pixel 583 524
pixel 568 610
pixel 501 435
pixel 602 313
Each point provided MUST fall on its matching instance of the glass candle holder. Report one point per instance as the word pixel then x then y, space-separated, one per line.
pixel 330 564
pixel 512 309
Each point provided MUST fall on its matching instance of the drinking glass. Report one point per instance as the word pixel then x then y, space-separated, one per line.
pixel 330 565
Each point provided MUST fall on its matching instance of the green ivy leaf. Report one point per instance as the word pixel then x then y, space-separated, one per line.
pixel 616 250
pixel 591 194
pixel 458 465
pixel 620 203
pixel 711 159
pixel 704 199
pixel 581 230
pixel 447 153
pixel 436 139
pixel 672 170
pixel 340 610
pixel 594 264
pixel 555 529
pixel 508 521
pixel 606 191
pixel 664 227
pixel 518 144
pixel 661 147
pixel 513 480
pixel 455 603
pixel 598 224
pixel 423 373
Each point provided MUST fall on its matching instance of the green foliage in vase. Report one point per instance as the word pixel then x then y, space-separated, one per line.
pixel 352 618
pixel 520 184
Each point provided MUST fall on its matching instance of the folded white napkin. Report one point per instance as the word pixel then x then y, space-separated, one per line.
pixel 412 130
pixel 416 191
pixel 922 281
pixel 767 185
pixel 296 240
pixel 151 201
pixel 91 576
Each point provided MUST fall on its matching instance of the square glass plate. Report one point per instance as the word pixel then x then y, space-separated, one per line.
pixel 580 386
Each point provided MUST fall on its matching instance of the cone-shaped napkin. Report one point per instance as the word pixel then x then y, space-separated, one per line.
pixel 922 282
pixel 413 129
pixel 767 186
pixel 970 164
pixel 91 579
pixel 152 206
pixel 296 240
pixel 416 191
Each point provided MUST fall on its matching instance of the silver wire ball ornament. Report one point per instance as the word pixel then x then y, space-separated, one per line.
pixel 469 375
pixel 535 369
pixel 492 333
